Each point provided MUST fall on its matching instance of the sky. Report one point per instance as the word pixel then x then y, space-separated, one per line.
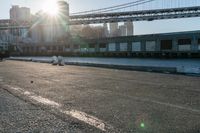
pixel 143 27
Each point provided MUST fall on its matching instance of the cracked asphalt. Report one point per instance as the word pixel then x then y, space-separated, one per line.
pixel 18 116
pixel 130 101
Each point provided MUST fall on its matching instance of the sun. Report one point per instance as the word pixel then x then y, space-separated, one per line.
pixel 51 7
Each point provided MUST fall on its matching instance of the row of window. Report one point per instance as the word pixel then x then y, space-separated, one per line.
pixel 165 45
pixel 150 46
pixel 4 46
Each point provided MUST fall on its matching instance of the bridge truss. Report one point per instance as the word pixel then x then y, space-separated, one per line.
pixel 145 15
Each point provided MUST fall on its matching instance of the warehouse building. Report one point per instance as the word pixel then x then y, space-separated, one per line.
pixel 179 44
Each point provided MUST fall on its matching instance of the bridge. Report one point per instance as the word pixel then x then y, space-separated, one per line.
pixel 145 15
pixel 141 10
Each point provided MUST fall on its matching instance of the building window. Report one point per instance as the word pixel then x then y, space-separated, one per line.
pixel 48 48
pixel 184 41
pixel 102 45
pixel 54 48
pixel 199 41
pixel 76 46
pixel 123 46
pixel 136 46
pixel 112 47
pixel 67 46
pixel 37 49
pixel 60 48
pixel 91 45
pixel 184 44
pixel 198 44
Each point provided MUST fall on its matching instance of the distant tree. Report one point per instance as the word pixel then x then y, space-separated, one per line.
pixel 93 32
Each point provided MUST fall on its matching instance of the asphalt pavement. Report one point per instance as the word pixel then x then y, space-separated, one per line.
pixel 127 101
pixel 19 116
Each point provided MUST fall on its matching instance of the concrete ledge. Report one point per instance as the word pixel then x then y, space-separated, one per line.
pixel 123 67
pixel 42 61
pixel 172 70
pixel 20 59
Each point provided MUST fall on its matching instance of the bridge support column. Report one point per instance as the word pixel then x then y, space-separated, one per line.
pixel 143 46
pixel 158 45
pixel 117 46
pixel 129 46
pixel 97 47
pixel 107 47
pixel 175 44
pixel 194 46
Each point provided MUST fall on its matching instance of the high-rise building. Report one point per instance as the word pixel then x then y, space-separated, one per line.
pixel 14 12
pixel 106 32
pixel 44 31
pixel 129 26
pixel 63 8
pixel 123 30
pixel 63 26
pixel 37 34
pixel 114 29
pixel 4 36
pixel 19 14
pixel 49 30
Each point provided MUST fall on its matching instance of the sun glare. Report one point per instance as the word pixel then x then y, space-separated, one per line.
pixel 51 7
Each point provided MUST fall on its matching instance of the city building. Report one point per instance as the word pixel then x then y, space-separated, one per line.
pixel 179 44
pixel 129 27
pixel 20 14
pixel 64 9
pixel 105 27
pixel 123 30
pixel 49 29
pixel 4 41
pixel 64 18
pixel 114 29
pixel 5 37
pixel 37 34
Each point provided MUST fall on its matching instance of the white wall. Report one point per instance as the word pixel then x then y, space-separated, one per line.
pixel 184 47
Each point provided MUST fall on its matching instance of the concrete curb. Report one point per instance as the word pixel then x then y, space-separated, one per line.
pixel 110 66
pixel 133 68
pixel 20 59
pixel 166 70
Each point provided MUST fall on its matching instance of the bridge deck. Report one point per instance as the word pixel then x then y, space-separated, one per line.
pixel 144 15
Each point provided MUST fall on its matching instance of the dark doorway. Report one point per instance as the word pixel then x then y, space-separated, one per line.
pixel 166 44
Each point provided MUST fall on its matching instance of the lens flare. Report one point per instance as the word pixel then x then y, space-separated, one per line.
pixel 142 125
pixel 51 7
